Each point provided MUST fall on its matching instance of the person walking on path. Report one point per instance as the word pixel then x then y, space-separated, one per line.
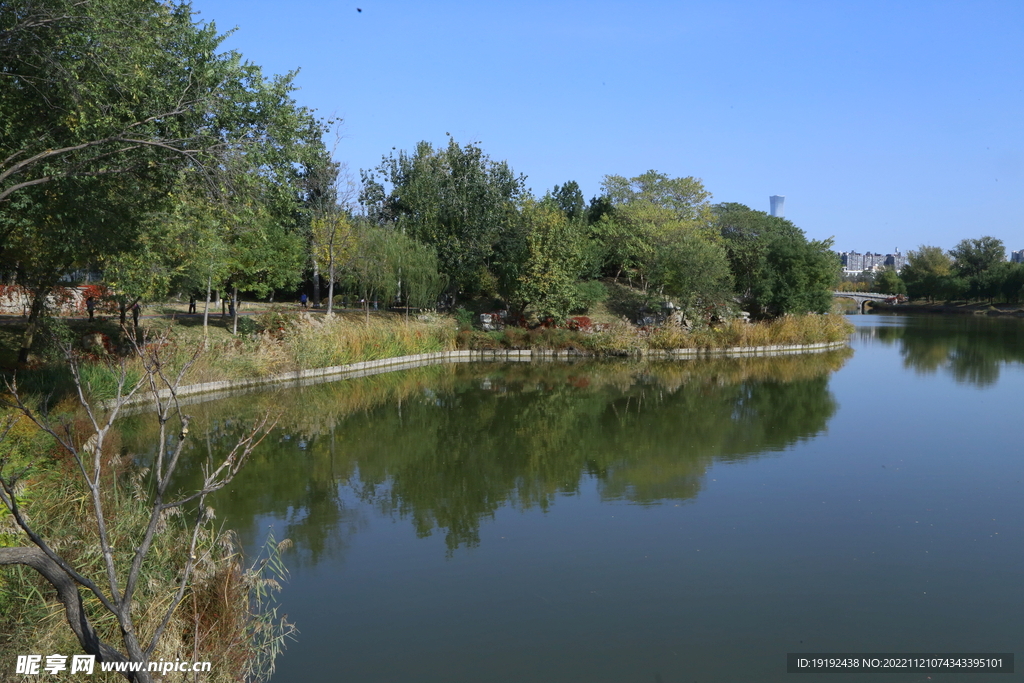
pixel 136 312
pixel 90 305
pixel 191 303
pixel 304 300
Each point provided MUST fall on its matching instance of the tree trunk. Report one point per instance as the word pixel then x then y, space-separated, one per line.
pixel 234 309
pixel 316 284
pixel 330 289
pixel 35 318
pixel 206 307
pixel 67 593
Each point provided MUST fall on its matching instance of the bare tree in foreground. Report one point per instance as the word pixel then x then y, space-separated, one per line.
pixel 119 583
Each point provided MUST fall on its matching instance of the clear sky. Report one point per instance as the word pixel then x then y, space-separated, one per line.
pixel 886 124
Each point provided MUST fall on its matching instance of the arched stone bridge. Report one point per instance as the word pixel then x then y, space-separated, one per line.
pixel 862 298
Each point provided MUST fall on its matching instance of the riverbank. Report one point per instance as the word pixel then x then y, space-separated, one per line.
pixel 279 345
pixel 951 308
pixel 210 391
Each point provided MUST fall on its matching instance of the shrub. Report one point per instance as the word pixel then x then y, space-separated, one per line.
pixel 464 318
pixel 588 294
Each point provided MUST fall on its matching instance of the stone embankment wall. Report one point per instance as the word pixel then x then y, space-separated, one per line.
pixel 208 391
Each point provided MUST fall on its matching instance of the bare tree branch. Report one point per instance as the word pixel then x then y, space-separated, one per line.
pixel 119 599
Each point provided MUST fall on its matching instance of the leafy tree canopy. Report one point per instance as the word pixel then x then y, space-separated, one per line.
pixel 685 198
pixel 971 257
pixel 103 105
pixel 926 267
pixel 888 282
pixel 456 199
pixel 552 257
pixel 639 214
pixel 777 270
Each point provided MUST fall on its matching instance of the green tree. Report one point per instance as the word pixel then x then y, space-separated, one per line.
pixel 1011 281
pixel 685 198
pixel 105 88
pixel 777 270
pixel 569 199
pixel 455 199
pixel 1002 280
pixel 333 241
pixel 643 213
pixel 973 256
pixel 889 282
pixel 384 264
pixel 694 272
pixel 925 269
pixel 103 103
pixel 546 283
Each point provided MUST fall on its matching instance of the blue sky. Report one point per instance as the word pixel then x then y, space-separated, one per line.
pixel 885 124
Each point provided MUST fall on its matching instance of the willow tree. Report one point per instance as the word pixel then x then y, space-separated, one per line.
pixel 385 264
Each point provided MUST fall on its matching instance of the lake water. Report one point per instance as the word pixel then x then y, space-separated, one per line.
pixel 649 522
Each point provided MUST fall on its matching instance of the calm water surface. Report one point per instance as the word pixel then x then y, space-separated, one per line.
pixel 659 522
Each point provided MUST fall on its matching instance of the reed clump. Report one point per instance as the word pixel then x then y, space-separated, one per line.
pixel 625 339
pixel 785 331
pixel 324 342
pixel 280 343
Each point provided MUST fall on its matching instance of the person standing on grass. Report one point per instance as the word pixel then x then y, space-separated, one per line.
pixel 304 300
pixel 191 303
pixel 136 312
pixel 90 305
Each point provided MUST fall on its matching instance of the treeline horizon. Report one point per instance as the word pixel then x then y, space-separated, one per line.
pixel 974 270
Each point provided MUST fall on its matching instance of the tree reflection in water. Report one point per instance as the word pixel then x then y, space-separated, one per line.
pixel 972 349
pixel 447 446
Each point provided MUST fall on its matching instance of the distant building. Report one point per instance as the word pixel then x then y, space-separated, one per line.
pixel 778 202
pixel 855 262
pixel 1017 256
pixel 897 260
pixel 852 261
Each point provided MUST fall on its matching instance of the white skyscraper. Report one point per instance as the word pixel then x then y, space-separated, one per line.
pixel 777 205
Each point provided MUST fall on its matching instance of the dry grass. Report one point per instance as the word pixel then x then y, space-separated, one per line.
pixel 274 343
pixel 787 330
pixel 277 343
pixel 622 338
pixel 218 621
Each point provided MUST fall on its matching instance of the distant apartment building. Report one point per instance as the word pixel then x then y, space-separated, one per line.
pixel 855 262
pixel 778 205
pixel 852 261
pixel 897 260
pixel 1017 256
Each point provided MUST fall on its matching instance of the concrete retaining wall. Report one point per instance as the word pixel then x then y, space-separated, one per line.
pixel 207 391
